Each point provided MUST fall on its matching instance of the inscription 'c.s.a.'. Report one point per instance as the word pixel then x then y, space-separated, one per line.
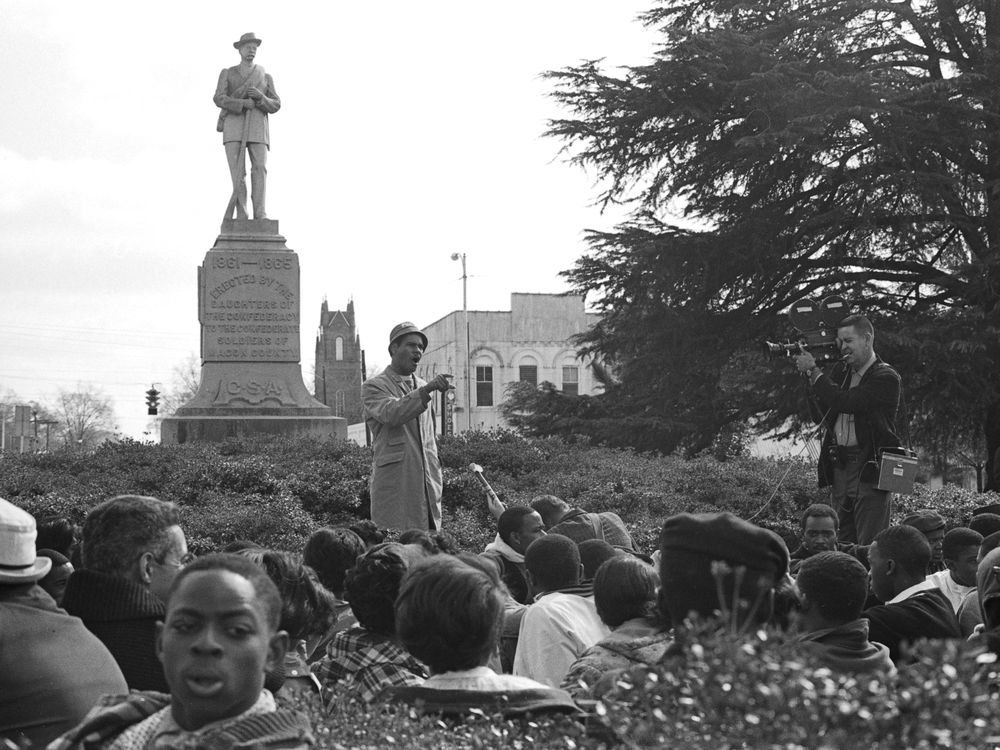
pixel 254 389
pixel 266 263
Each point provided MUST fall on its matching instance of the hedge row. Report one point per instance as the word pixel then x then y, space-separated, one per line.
pixel 276 491
pixel 726 691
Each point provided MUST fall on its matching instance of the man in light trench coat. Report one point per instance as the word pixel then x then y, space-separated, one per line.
pixel 406 474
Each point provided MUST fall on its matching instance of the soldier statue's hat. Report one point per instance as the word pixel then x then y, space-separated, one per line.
pixel 403 329
pixel 248 37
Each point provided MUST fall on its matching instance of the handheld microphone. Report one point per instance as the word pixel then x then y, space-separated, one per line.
pixel 477 470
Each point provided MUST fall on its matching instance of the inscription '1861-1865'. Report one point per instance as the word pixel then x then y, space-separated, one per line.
pixel 249 307
pixel 263 262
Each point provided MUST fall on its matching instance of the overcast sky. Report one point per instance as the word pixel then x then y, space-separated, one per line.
pixel 408 131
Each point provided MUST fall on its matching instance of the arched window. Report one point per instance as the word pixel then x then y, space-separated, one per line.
pixel 338 348
pixel 339 405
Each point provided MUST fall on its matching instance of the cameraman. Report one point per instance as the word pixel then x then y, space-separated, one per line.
pixel 857 401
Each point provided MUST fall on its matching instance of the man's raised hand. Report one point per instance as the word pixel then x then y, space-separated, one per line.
pixel 440 383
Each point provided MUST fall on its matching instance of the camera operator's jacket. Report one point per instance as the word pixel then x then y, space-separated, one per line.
pixel 873 402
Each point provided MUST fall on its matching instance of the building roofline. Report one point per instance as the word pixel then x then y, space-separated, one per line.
pixel 522 294
pixel 548 294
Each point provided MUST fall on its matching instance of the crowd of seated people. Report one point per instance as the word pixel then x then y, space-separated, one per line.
pixel 537 622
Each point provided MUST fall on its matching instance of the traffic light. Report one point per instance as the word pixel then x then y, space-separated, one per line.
pixel 152 400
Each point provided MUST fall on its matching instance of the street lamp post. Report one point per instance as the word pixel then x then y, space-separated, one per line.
pixel 468 352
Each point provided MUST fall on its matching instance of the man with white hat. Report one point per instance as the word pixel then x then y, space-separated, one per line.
pixel 406 480
pixel 52 669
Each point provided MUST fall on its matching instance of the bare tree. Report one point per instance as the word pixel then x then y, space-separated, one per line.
pixel 8 400
pixel 86 417
pixel 183 385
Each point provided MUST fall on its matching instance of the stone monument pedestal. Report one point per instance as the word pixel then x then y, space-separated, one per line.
pixel 251 379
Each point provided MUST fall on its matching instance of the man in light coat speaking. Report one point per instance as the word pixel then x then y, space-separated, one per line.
pixel 405 482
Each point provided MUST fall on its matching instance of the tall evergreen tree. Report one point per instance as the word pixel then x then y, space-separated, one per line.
pixel 777 149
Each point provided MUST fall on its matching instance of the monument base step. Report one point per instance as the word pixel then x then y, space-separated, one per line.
pixel 204 429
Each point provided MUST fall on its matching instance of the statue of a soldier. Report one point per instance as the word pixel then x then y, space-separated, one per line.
pixel 246 96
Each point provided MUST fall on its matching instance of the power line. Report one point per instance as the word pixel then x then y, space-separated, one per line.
pixel 91 329
pixel 58 381
pixel 64 344
pixel 103 371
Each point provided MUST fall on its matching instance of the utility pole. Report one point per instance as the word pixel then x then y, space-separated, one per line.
pixel 48 429
pixel 468 351
pixel 364 377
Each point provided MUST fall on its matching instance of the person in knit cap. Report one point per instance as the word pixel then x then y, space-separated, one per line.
pixel 989 544
pixel 914 607
pixel 708 560
pixel 691 545
pixel 985 523
pixel 988 587
pixel 56 579
pixel 52 669
pixel 930 523
pixel 970 614
pixel 832 589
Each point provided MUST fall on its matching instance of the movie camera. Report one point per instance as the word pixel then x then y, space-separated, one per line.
pixel 816 323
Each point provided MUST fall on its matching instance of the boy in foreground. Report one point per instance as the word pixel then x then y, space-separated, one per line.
pixel 219 636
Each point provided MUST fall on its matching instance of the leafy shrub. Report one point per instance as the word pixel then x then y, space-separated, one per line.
pixel 350 725
pixel 276 522
pixel 953 502
pixel 274 491
pixel 504 451
pixel 282 489
pixel 723 690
